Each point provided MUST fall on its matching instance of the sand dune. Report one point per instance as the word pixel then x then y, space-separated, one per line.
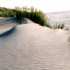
pixel 33 47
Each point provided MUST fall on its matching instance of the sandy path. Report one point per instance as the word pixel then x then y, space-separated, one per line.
pixel 32 47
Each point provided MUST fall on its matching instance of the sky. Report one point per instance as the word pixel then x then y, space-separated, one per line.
pixel 44 5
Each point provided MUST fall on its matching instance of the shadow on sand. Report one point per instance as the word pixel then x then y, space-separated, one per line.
pixel 8 32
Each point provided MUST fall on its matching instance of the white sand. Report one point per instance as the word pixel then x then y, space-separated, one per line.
pixel 32 47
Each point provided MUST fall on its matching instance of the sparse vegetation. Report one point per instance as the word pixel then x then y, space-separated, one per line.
pixel 58 26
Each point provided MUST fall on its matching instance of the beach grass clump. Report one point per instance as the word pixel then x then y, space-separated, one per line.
pixel 58 26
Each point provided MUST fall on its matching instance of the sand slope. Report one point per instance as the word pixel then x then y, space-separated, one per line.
pixel 4 28
pixel 32 47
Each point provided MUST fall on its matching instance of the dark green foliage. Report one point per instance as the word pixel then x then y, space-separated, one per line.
pixel 31 13
pixel 19 16
pixel 4 12
pixel 34 15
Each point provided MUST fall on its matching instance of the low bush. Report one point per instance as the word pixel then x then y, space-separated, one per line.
pixel 5 12
pixel 30 13
pixel 34 15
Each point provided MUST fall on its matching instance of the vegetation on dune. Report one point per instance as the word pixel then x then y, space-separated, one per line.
pixel 58 26
pixel 5 12
pixel 33 14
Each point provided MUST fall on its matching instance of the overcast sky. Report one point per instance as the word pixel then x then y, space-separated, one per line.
pixel 44 5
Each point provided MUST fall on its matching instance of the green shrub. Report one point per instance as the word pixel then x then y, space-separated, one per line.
pixel 30 13
pixel 5 12
pixel 19 16
pixel 34 15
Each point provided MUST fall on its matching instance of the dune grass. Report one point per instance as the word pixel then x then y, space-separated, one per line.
pixel 33 14
pixel 58 26
pixel 5 12
pixel 30 13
